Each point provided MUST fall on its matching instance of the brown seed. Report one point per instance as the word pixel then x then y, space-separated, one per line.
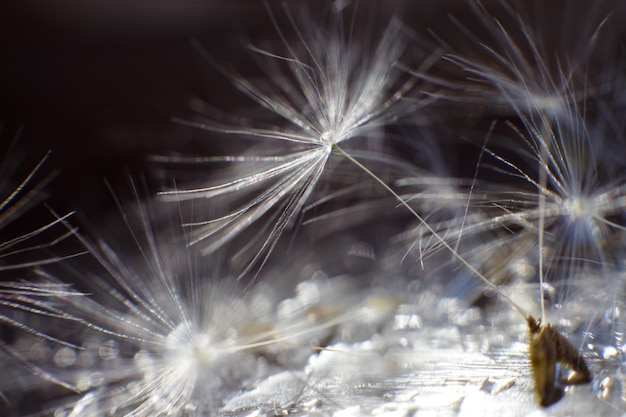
pixel 547 349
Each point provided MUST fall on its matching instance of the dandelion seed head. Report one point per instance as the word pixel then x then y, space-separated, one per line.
pixel 578 208
pixel 174 367
pixel 160 340
pixel 190 349
pixel 329 139
pixel 324 86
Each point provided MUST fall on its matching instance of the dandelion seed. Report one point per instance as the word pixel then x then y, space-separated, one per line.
pixel 561 212
pixel 561 147
pixel 166 334
pixel 579 199
pixel 328 88
pixel 549 350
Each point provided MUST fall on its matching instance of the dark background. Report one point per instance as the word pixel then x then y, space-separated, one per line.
pixel 98 81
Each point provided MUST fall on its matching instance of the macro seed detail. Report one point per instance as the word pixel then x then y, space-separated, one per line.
pixel 549 351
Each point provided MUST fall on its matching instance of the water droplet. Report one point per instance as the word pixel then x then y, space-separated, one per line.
pixel 64 357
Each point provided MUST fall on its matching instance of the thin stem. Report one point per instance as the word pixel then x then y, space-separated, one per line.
pixel 542 221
